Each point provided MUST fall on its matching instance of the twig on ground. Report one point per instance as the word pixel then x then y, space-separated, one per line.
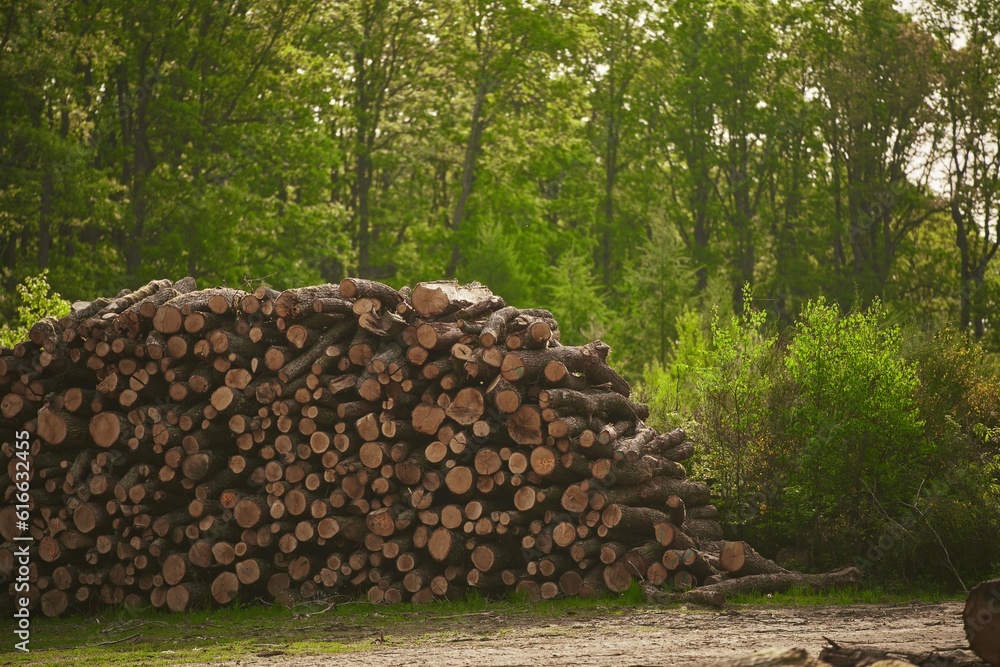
pixel 114 641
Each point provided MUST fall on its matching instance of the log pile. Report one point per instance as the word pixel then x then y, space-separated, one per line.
pixel 190 446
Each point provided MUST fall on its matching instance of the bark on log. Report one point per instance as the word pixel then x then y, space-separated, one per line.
pixel 186 596
pixel 56 427
pixel 981 618
pixel 590 360
pixel 740 559
pixel 432 299
pixel 657 491
pixel 591 402
pixel 715 594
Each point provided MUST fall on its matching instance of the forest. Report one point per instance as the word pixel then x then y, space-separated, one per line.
pixel 781 215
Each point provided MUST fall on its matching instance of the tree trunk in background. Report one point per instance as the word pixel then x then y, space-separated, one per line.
pixel 8 254
pixel 743 217
pixel 363 139
pixel 127 176
pixel 699 206
pixel 143 166
pixel 965 316
pixel 362 168
pixel 473 146
pixel 45 213
pixel 610 176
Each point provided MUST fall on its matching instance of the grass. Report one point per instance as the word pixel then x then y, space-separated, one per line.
pixel 149 637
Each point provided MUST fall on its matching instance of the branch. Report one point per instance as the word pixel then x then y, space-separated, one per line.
pixel 114 641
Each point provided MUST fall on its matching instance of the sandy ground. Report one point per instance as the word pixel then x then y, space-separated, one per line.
pixel 646 636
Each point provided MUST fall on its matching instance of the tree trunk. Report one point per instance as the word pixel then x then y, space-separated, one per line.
pixel 473 146
pixel 715 594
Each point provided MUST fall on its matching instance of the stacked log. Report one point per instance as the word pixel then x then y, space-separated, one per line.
pixel 189 446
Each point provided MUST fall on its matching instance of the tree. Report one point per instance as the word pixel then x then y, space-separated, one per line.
pixel 380 47
pixel 970 108
pixel 188 85
pixel 800 232
pixel 874 75
pixel 50 196
pixel 500 54
pixel 658 283
pixel 748 73
pixel 856 431
pixel 617 36
pixel 685 110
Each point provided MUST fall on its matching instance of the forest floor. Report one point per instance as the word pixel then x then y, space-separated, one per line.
pixel 482 634
pixel 642 636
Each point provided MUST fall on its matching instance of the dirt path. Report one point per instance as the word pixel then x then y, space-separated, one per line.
pixel 646 636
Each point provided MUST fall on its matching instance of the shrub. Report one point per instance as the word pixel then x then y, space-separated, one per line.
pixel 673 390
pixel 736 384
pixel 840 443
pixel 37 301
pixel 856 428
pixel 958 397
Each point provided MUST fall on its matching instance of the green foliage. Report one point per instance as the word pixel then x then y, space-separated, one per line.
pixel 503 257
pixel 36 301
pixel 850 442
pixel 742 368
pixel 674 389
pixel 857 434
pixel 658 285
pixel 576 299
pixel 957 396
pixel 691 356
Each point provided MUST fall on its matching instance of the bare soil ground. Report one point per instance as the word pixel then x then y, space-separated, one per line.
pixel 643 636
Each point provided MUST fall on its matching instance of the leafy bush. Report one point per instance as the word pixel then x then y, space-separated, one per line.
pixel 36 301
pixel 857 430
pixel 672 390
pixel 743 365
pixel 843 440
pixel 958 397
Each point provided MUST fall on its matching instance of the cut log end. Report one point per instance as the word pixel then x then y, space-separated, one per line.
pixel 225 587
pixel 525 426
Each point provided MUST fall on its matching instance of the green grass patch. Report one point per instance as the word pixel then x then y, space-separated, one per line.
pixel 150 637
